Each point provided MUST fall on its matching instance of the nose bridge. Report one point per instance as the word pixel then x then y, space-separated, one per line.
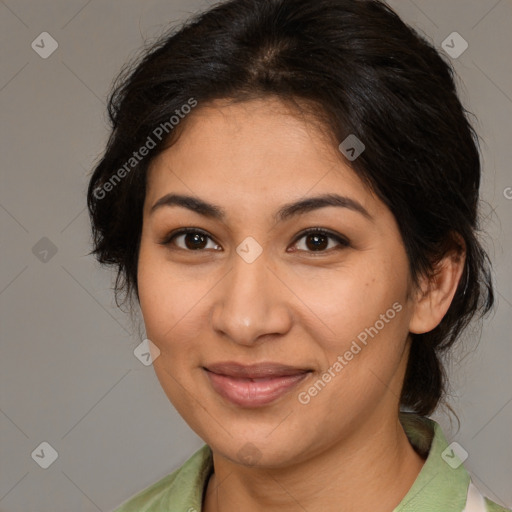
pixel 249 304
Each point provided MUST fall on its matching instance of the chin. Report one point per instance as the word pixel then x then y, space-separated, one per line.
pixel 259 452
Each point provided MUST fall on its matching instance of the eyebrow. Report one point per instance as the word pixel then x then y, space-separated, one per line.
pixel 287 211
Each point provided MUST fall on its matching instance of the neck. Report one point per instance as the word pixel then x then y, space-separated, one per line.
pixel 372 469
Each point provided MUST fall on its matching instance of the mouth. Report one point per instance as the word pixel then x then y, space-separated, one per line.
pixel 252 386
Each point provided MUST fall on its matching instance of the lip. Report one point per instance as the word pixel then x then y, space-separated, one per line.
pixel 254 385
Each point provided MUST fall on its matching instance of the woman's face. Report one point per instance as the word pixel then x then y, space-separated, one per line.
pixel 275 344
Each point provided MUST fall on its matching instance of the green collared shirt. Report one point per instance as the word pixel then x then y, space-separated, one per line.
pixel 441 486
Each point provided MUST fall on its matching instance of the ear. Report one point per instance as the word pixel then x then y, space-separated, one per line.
pixel 435 293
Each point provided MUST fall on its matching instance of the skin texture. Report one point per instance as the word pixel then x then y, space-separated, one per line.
pixel 345 448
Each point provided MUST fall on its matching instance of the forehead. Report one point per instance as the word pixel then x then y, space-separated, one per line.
pixel 259 150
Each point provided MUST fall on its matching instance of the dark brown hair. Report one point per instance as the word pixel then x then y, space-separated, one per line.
pixel 368 74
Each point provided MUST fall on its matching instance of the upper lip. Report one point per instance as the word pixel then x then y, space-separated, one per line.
pixel 254 371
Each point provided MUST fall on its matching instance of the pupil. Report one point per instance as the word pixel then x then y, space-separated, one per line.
pixel 197 240
pixel 319 242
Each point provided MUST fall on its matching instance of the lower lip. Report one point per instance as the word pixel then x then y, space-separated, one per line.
pixel 253 393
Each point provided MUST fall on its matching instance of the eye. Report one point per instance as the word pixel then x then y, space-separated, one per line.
pixel 315 240
pixel 190 239
pixel 320 240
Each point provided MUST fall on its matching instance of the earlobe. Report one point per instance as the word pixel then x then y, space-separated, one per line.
pixel 435 293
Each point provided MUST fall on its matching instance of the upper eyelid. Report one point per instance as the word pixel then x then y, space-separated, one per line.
pixel 323 231
pixel 184 231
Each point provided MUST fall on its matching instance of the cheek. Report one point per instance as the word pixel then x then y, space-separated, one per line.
pixel 172 303
pixel 344 304
pixel 157 295
pixel 169 306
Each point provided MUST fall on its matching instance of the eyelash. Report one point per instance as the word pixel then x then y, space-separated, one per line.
pixel 343 242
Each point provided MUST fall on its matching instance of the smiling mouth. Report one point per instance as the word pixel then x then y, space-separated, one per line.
pixel 254 385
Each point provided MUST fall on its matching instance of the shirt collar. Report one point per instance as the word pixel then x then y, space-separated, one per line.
pixel 443 481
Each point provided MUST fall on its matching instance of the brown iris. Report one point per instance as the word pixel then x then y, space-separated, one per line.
pixel 318 242
pixel 195 241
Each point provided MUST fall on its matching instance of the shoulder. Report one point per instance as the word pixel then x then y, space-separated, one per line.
pixel 443 483
pixel 494 507
pixel 181 490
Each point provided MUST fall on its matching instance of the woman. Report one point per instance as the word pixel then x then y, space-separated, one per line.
pixel 290 192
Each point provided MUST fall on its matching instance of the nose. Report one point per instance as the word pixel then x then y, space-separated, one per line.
pixel 250 303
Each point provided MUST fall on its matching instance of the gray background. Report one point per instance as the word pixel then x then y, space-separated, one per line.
pixel 68 374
